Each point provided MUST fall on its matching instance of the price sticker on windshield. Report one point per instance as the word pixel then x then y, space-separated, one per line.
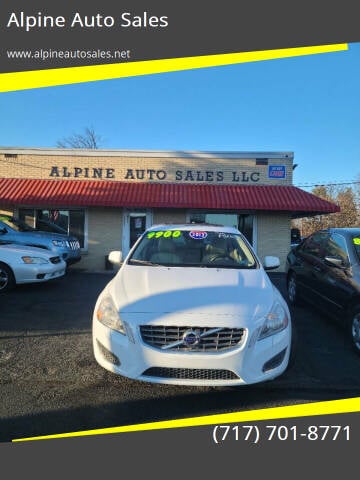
pixel 356 241
pixel 197 235
pixel 165 234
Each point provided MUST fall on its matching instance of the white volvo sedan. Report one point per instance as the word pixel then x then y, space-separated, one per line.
pixel 22 264
pixel 192 305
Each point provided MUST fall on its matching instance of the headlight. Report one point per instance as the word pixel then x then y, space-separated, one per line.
pixel 59 243
pixel 108 315
pixel 34 260
pixel 275 321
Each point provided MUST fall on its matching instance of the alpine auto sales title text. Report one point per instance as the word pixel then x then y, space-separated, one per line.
pixel 78 20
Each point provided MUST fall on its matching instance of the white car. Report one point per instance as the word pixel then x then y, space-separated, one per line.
pixel 22 264
pixel 192 305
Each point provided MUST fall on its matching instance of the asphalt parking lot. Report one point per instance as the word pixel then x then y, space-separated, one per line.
pixel 50 382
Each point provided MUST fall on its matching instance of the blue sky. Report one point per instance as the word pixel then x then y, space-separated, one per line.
pixel 309 105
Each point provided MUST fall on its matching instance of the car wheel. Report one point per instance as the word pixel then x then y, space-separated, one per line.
pixel 292 289
pixel 7 280
pixel 354 328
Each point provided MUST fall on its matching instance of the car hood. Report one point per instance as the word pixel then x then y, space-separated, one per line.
pixel 24 250
pixel 48 235
pixel 179 291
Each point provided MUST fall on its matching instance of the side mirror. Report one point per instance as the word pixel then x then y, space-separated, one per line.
pixel 115 257
pixel 3 231
pixel 270 263
pixel 334 262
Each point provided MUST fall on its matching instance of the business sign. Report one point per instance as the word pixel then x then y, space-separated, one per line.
pixel 277 172
pixel 184 176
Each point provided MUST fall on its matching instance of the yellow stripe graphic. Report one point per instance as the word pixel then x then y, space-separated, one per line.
pixel 65 76
pixel 304 410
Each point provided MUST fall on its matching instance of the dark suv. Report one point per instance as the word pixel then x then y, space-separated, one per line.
pixel 325 271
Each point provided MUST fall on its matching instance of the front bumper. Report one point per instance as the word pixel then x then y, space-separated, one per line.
pixel 69 256
pixel 72 260
pixel 37 273
pixel 250 362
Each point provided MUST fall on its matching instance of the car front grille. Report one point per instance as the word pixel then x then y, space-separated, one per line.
pixel 74 244
pixel 55 259
pixel 205 339
pixel 190 373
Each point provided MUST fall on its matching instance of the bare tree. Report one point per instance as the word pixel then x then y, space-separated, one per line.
pixel 357 191
pixel 349 215
pixel 88 139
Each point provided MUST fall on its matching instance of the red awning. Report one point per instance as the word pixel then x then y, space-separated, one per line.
pixel 90 193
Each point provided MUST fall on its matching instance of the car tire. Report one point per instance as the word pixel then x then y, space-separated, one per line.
pixel 293 290
pixel 7 279
pixel 353 328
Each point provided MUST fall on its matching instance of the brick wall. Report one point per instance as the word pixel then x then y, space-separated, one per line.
pixel 104 235
pixel 273 236
pixel 153 167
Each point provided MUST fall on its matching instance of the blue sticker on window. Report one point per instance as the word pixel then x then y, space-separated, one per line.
pixel 196 235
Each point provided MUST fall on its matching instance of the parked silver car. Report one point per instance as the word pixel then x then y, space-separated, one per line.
pixel 22 264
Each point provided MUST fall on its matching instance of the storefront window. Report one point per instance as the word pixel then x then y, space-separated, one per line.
pixel 243 221
pixel 27 216
pixel 68 222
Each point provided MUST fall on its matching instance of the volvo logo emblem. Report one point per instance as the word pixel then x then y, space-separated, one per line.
pixel 191 338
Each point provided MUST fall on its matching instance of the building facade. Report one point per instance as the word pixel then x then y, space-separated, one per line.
pixel 107 198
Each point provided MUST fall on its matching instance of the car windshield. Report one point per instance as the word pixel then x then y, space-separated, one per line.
pixel 356 243
pixel 193 248
pixel 46 226
pixel 16 224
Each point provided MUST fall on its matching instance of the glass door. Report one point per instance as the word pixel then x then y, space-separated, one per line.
pixel 135 222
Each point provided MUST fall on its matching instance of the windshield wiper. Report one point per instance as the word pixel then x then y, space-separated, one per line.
pixel 234 267
pixel 143 262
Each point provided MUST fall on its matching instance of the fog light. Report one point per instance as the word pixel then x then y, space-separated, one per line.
pixel 274 361
pixel 40 276
pixel 109 357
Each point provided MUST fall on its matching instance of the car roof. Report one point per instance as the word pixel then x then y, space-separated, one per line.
pixel 194 226
pixel 345 231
